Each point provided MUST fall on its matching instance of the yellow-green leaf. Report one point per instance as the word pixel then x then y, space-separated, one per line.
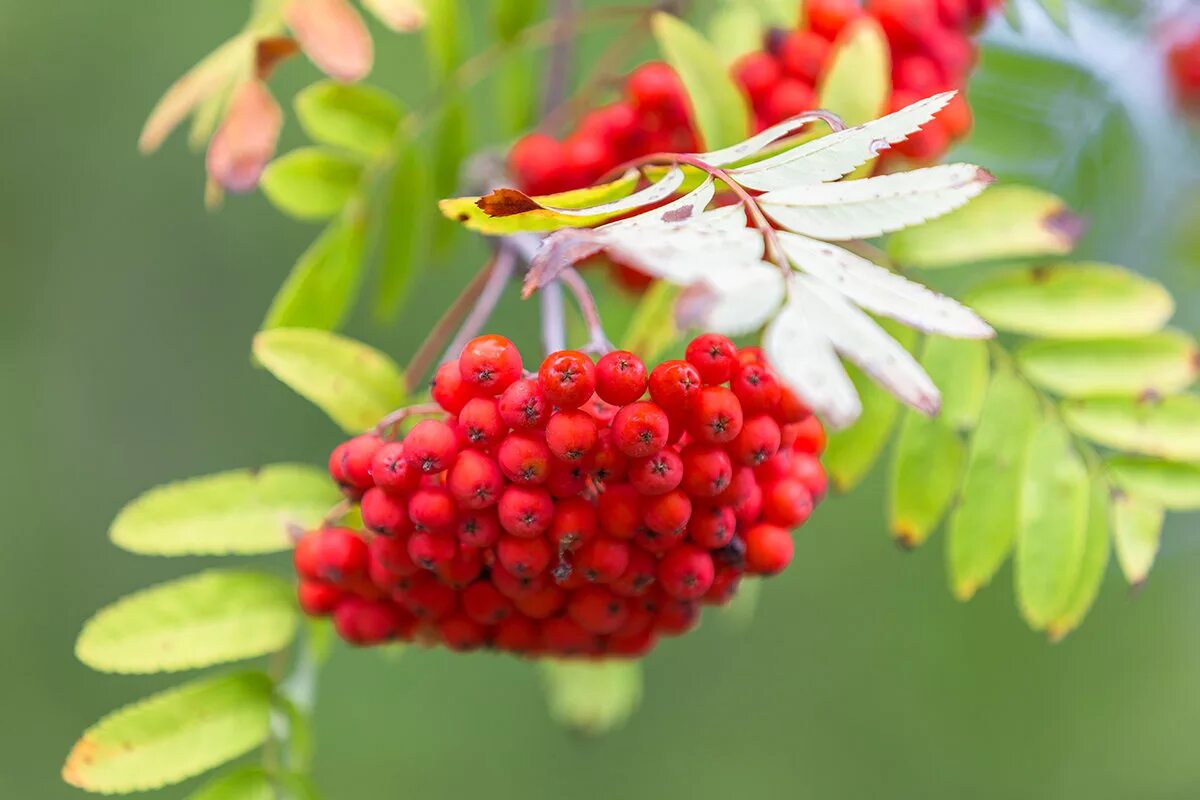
pixel 354 384
pixel 959 368
pixel 1137 534
pixel 321 287
pixel 1007 221
pixel 1096 548
pixel 927 465
pixel 409 212
pixel 210 618
pixel 857 83
pixel 718 107
pixel 1052 525
pixel 785 14
pixel 1169 484
pixel 1158 364
pixel 357 117
pixel 467 211
pixel 592 697
pixel 248 783
pixel 1073 301
pixel 1168 428
pixel 172 735
pixel 311 182
pixel 983 526
pixel 652 329
pixel 736 29
pixel 241 512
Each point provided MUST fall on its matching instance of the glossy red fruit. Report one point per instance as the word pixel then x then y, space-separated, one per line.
pixel 517 634
pixel 477 529
pixel 656 474
pixel 430 446
pixel 756 387
pixel 461 570
pixel 574 523
pixel 536 161
pixel 957 117
pixel 707 469
pixel 567 378
pixel 804 54
pixel 484 603
pixel 524 458
pixel 568 478
pixel 828 17
pixel 597 610
pixel 461 633
pixel 906 22
pixel 474 480
pixel 769 549
pixel 585 158
pixel 712 527
pixel 790 408
pixel 385 514
pixel 655 87
pixel 571 434
pixel 448 389
pixel 757 73
pixel 808 470
pixel 667 514
pixel 805 436
pixel 481 424
pixel 490 364
pixel 608 463
pixel 391 472
pixel 523 406
pixel 563 636
pixel 620 377
pixel 341 556
pixel 350 464
pixel 714 356
pixel 317 598
pixel 524 557
pixel 638 575
pixel 525 511
pixel 673 386
pixel 790 97
pixel 686 572
pixel 427 549
pixel 619 510
pixel 715 416
pixel 917 73
pixel 757 442
pixel 786 503
pixel 432 508
pixel 602 559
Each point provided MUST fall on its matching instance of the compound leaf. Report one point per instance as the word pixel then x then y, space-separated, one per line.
pixel 1158 364
pixel 1168 428
pixel 927 465
pixel 1169 484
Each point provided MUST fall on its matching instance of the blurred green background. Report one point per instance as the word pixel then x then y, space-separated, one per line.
pixel 127 313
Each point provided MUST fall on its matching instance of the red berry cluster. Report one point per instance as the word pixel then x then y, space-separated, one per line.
pixel 931 52
pixel 1183 66
pixel 566 514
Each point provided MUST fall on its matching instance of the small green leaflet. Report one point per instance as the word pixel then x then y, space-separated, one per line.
pixel 736 29
pixel 241 512
pixel 321 287
pixel 1096 549
pixel 1073 301
pixel 172 735
pixel 1005 222
pixel 960 368
pixel 248 783
pixel 1137 533
pixel 408 214
pixel 210 618
pixel 1052 525
pixel 311 182
pixel 927 464
pixel 356 117
pixel 354 384
pixel 1172 485
pixel 592 697
pixel 652 329
pixel 1169 428
pixel 718 107
pixel 785 14
pixel 851 452
pixel 858 82
pixel 1158 364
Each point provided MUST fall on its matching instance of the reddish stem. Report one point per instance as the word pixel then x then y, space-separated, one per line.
pixel 399 415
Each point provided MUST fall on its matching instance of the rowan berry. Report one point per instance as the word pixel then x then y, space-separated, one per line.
pixel 306 557
pixel 462 570
pixel 768 549
pixel 429 548
pixel 341 556
pixel 541 603
pixel 524 458
pixel 522 556
pixel 484 603
pixel 391 472
pixel 804 54
pixel 574 523
pixel 686 572
pixel 523 406
pixel 390 556
pixel 428 598
pixel 790 408
pixel 318 598
pixel 790 97
pixel 724 587
pixel 481 424
pixel 615 124
pixel 656 474
pixel 714 356
pixel 916 73
pixel 620 377
pixel 828 17
pixel 676 617
pixel 707 470
pixel 640 429
pixel 926 145
pixel 715 416
pixel 525 511
pixel 585 158
pixel 536 161
pixel 608 463
pixel 905 21
pixel 602 559
pixel 634 645
pixel 432 508
pixel 757 442
pixel 517 634
pixel 739 488
pixel 673 386
pixel 712 527
pixel 350 464
pixel 667 514
pixel 756 387
pixel 638 575
pixel 806 436
pixel 956 117
pixel 808 470
pixel 568 479
pixel 490 364
pixel 461 633
pixel 597 610
pixel 515 586
pixel 477 529
pixel 757 73
pixel 364 622
pixel 430 446
pixel 448 389
pixel 385 514
pixel 571 434
pixel 567 378
pixel 655 87
pixel 750 508
pixel 619 509
pixel 474 480
pixel 564 636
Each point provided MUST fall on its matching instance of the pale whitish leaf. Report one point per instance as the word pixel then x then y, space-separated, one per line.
pixel 242 512
pixel 983 525
pixel 209 618
pixel 799 350
pixel 362 119
pixel 959 367
pixel 311 182
pixel 1158 364
pixel 860 339
pixel 592 697
pixel 1052 526
pixel 1137 534
pixel 881 291
pixel 354 384
pixel 321 287
pixel 1172 485
pixel 1096 548
pixel 760 141
pixel 870 207
pixel 733 301
pixel 172 735
pixel 838 154
pixel 927 464
pixel 1169 428
pixel 682 209
pixel 718 107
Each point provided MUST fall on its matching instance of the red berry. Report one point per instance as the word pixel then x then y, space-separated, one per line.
pixel 758 441
pixel 768 549
pixel 656 87
pixel 804 54
pixel 385 514
pixel 474 480
pixel 428 598
pixel 640 429
pixel 563 636
pixel 675 616
pixel 432 508
pixel 790 408
pixel 724 587
pixel 306 558
pixel 364 622
pixel 350 464
pixel 525 511
pixel 517 634
pixel 806 436
pixel 905 21
pixel 638 576
pixel 448 389
pixel 524 458
pixel 786 503
pixel 667 514
pixel 608 463
pixel 461 633
pixel 712 527
pixel 739 488
pixel 808 470
pixel 574 523
pixel 571 434
pixel 619 510
pixel 341 556
pixel 615 125
pixel 541 603
pixel 620 377
pixel 567 378
pixel 715 416
pixel 524 557
pixel 656 474
pixel 490 364
pixel 828 17
pixel 707 470
pixel 430 446
pixel 749 508
pixel 523 406
pixel 686 572
pixel 478 529
pixel 429 548
pixel 536 161
pixel 714 356
pixel 568 478
pixel 317 598
pixel 956 117
pixel 389 559
pixel 789 98
pixel 602 559
pixel 460 571
pixel 481 424
pixel 483 603
pixel 391 472
pixel 673 386
pixel 585 158
pixel 597 610
pixel 757 73
pixel 926 145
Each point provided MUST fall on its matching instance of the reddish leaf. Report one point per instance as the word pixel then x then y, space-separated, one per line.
pixel 333 35
pixel 399 15
pixel 245 142
pixel 506 202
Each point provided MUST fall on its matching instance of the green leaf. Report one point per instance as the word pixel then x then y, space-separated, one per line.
pixel 1052 525
pixel 718 107
pixel 359 118
pixel 1169 428
pixel 515 79
pixel 197 621
pixel 1158 364
pixel 857 83
pixel 783 14
pixel 1169 484
pixel 1137 533
pixel 172 735
pixel 959 368
pixel 410 210
pixel 592 697
pixel 1057 11
pixel 443 36
pixel 1096 547
pixel 739 611
pixel 652 329
pixel 311 182
pixel 1073 301
pixel 927 465
pixel 241 512
pixel 467 211
pixel 736 29
pixel 322 285
pixel 354 384
pixel 247 783
pixel 1007 221
pixel 983 526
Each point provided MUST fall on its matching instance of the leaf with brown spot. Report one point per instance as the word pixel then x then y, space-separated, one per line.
pixel 506 202
pixel 271 52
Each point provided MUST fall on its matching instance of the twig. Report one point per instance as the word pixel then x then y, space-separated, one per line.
pixel 399 415
pixel 503 266
pixel 339 510
pixel 598 343
pixel 421 362
pixel 566 13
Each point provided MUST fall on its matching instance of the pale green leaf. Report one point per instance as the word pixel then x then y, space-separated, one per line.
pixel 960 369
pixel 785 14
pixel 1169 428
pixel 652 329
pixel 927 465
pixel 409 212
pixel 356 385
pixel 360 118
pixel 718 107
pixel 515 83
pixel 851 452
pixel 736 29
pixel 983 526
pixel 311 182
pixel 1137 534
pixel 592 697
pixel 172 735
pixel 247 783
pixel 1073 301
pixel 467 211
pixel 210 618
pixel 1096 549
pixel 1169 484
pixel 321 287
pixel 1158 364
pixel 241 512
pixel 1008 221
pixel 443 35
pixel 857 83
pixel 739 611
pixel 1052 525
